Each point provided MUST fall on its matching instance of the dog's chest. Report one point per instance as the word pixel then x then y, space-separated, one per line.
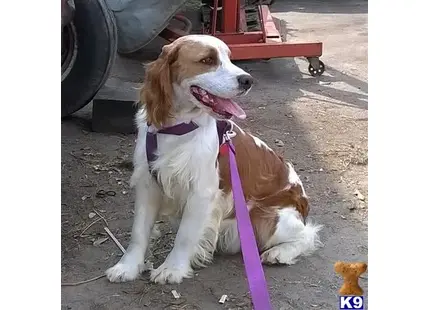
pixel 185 163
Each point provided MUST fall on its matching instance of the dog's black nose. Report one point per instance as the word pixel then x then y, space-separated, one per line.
pixel 245 81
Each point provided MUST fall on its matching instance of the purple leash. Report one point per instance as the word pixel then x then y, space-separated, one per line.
pixel 251 258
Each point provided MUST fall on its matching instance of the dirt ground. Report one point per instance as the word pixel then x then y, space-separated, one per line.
pixel 322 123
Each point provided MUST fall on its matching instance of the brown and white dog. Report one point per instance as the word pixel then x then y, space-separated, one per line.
pixel 194 80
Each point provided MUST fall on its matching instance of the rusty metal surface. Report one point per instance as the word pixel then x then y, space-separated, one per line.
pixel 231 10
pixel 263 44
pixel 274 50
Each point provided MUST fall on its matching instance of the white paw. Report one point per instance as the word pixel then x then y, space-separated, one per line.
pixel 170 274
pixel 123 272
pixel 278 255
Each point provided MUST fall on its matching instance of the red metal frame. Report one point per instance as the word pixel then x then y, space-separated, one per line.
pixel 263 44
pixel 230 15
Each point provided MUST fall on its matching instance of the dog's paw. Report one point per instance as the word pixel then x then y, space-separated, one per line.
pixel 123 272
pixel 278 255
pixel 170 274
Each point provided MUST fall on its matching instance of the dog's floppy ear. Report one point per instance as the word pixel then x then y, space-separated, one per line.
pixel 157 90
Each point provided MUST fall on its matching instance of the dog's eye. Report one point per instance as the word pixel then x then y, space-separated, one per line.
pixel 207 61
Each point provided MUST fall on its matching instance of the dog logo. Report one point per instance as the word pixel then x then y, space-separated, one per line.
pixel 351 294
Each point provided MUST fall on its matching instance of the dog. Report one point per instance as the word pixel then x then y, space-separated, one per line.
pixel 194 81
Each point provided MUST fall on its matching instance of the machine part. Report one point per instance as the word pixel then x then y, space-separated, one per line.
pixel 67 12
pixel 174 33
pixel 316 69
pixel 69 49
pixel 140 21
pixel 187 23
pixel 171 33
pixel 249 30
pixel 314 61
pixel 88 51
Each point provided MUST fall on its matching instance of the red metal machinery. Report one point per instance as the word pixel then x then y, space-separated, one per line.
pixel 264 43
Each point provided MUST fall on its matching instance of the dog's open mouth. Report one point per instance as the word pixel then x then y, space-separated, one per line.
pixel 221 106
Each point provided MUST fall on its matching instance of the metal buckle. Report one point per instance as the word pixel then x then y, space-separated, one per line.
pixel 229 134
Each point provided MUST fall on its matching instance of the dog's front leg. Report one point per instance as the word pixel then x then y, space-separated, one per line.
pixel 147 205
pixel 194 220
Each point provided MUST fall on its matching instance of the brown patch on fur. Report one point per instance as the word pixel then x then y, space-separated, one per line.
pixel 190 57
pixel 290 196
pixel 157 91
pixel 264 221
pixel 264 177
pixel 179 60
pixel 261 171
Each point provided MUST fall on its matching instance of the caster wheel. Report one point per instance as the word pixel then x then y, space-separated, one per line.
pixel 317 71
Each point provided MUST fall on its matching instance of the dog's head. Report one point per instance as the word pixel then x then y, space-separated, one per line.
pixel 194 74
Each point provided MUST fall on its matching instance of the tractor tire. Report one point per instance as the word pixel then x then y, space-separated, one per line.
pixel 89 45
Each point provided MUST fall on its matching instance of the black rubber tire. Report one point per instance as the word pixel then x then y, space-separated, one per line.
pixel 97 44
pixel 317 71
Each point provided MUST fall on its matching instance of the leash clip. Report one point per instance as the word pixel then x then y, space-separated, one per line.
pixel 229 134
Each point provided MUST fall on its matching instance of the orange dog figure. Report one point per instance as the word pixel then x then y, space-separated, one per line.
pixel 350 273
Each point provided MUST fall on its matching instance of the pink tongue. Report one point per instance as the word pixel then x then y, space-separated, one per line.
pixel 228 105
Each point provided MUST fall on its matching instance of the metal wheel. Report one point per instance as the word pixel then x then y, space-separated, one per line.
pixel 317 71
pixel 69 49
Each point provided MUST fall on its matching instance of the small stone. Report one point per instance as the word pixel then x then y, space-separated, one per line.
pixel 91 215
pixel 361 205
pixel 279 143
pixel 358 195
pixel 124 192
pixel 343 217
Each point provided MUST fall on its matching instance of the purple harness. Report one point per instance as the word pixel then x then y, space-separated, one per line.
pixel 251 257
pixel 177 130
